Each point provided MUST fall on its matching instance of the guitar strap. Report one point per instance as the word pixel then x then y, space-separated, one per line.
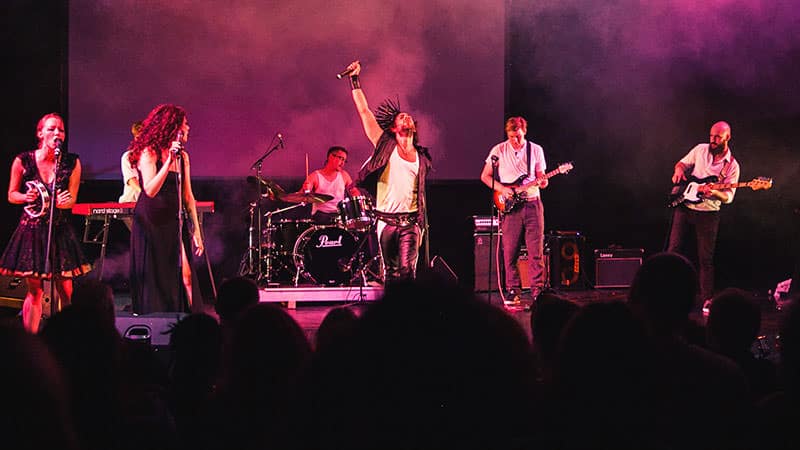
pixel 529 160
pixel 724 172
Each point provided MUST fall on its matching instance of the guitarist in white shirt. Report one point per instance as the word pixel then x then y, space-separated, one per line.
pixel 527 220
pixel 702 218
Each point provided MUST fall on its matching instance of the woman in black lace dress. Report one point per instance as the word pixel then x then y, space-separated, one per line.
pixel 25 254
pixel 158 282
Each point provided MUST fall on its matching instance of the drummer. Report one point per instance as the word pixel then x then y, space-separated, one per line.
pixel 331 180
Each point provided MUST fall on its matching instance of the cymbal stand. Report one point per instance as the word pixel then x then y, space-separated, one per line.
pixel 268 260
pixel 257 167
pixel 248 265
pixel 358 256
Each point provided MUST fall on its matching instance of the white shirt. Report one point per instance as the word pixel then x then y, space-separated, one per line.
pixel 512 163
pixel 702 163
pixel 397 186
pixel 128 172
pixel 334 188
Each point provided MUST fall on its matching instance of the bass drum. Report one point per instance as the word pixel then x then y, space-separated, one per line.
pixel 320 252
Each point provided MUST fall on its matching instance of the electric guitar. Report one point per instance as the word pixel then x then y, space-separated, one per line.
pixel 689 191
pixel 507 204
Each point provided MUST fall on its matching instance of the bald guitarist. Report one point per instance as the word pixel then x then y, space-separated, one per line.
pixel 712 159
pixel 517 160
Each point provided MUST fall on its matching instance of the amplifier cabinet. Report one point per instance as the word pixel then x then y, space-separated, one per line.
pixel 486 280
pixel 615 268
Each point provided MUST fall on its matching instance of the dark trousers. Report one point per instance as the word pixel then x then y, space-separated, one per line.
pixel 704 225
pixel 527 222
pixel 400 250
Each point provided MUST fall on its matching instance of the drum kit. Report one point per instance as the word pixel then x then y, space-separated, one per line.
pixel 291 251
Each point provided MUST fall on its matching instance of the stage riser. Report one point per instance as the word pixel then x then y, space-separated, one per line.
pixel 322 294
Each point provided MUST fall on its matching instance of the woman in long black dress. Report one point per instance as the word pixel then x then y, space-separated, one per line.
pixel 32 174
pixel 158 282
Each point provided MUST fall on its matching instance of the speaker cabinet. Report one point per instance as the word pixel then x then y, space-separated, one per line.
pixel 482 251
pixel 151 328
pixel 12 291
pixel 615 268
pixel 564 256
pixel 486 279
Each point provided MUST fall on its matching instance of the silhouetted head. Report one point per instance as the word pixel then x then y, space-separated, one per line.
pixel 733 321
pixel 234 296
pixel 664 291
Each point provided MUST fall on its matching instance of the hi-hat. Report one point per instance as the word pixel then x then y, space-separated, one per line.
pixel 305 197
pixel 273 189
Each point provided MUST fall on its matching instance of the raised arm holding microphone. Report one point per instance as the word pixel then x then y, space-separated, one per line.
pixel 396 174
pixel 158 155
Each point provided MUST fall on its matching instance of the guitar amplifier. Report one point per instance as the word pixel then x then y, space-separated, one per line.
pixel 564 259
pixel 12 291
pixel 616 267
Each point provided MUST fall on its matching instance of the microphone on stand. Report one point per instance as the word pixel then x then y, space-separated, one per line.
pixel 59 143
pixel 344 73
pixel 280 139
pixel 494 160
pixel 176 153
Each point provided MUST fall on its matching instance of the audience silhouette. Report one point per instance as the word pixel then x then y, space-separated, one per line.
pixel 430 365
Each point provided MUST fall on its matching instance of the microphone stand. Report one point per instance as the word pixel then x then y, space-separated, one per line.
pixel 54 303
pixel 179 182
pixel 491 236
pixel 257 167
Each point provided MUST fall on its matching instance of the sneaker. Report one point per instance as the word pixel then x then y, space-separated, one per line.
pixel 512 298
pixel 706 307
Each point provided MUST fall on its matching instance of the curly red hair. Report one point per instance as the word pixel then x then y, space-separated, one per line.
pixel 158 131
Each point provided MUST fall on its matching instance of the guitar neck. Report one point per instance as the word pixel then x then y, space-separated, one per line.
pixel 717 186
pixel 550 174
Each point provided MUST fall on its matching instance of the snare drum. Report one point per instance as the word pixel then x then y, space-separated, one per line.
pixel 321 252
pixel 282 235
pixel 356 213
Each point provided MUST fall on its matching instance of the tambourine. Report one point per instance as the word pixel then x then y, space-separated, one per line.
pixel 41 205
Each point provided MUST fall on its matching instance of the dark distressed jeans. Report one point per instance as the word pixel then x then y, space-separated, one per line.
pixel 704 225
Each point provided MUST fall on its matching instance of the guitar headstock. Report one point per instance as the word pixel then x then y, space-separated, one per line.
pixel 760 183
pixel 565 167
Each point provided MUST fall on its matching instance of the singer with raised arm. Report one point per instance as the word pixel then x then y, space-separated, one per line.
pixel 158 282
pixel 396 174
pixel 31 181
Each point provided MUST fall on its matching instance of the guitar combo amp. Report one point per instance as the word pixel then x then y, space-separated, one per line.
pixel 616 267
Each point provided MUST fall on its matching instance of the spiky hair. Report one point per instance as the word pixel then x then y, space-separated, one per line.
pixel 387 112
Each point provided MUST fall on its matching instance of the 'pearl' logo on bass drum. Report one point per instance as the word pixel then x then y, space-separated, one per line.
pixel 325 242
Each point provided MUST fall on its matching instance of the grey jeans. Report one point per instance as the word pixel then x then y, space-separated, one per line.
pixel 527 222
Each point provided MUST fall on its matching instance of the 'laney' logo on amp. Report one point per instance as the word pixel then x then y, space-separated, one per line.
pixel 324 241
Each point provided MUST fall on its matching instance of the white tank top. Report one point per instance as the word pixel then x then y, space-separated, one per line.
pixel 397 186
pixel 334 188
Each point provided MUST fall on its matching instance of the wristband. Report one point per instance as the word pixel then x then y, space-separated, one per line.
pixel 355 83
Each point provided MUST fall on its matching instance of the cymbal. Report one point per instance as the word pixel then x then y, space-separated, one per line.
pixel 305 197
pixel 269 185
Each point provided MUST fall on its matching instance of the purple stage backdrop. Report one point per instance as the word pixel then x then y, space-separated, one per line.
pixel 246 70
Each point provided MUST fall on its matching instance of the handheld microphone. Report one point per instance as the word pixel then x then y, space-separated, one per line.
pixel 344 73
pixel 177 152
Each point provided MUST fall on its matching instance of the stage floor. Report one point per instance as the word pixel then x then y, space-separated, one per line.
pixel 309 305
